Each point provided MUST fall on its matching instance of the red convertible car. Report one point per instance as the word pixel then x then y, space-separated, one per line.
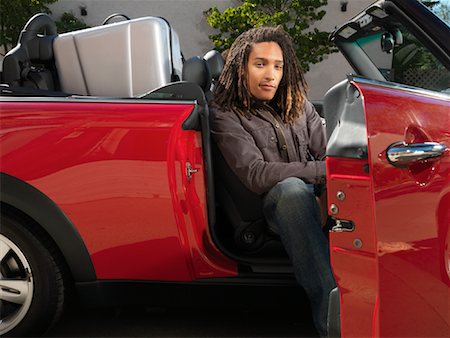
pixel 111 185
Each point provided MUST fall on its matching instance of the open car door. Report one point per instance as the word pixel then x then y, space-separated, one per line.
pixel 388 175
pixel 390 247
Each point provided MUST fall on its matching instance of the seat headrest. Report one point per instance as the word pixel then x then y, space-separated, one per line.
pixel 32 47
pixel 39 47
pixel 215 62
pixel 196 69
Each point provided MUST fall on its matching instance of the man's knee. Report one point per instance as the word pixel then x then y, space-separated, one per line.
pixel 289 190
pixel 292 204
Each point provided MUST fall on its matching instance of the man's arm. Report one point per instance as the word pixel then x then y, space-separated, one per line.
pixel 316 130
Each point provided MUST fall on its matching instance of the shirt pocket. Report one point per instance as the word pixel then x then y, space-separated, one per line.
pixel 265 138
pixel 301 137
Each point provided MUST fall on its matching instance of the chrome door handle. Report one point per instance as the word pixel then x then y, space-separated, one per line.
pixel 401 154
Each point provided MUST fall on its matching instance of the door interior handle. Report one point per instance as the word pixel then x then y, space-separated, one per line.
pixel 401 154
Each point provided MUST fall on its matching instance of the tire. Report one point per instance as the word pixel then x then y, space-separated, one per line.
pixel 31 281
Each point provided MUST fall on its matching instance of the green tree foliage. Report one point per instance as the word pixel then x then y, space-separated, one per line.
pixel 13 16
pixel 296 17
pixel 68 22
pixel 442 10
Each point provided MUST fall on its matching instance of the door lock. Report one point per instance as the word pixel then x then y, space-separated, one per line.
pixel 190 171
pixel 343 226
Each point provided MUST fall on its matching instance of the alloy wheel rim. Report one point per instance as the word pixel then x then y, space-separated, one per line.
pixel 16 285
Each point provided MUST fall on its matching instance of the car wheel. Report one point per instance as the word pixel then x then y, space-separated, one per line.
pixel 31 281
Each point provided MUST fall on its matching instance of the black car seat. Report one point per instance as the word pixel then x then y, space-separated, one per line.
pixel 235 203
pixel 197 70
pixel 31 63
pixel 215 63
pixel 204 71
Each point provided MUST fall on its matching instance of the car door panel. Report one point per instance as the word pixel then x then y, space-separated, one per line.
pixel 413 292
pixel 391 268
pixel 118 171
pixel 353 252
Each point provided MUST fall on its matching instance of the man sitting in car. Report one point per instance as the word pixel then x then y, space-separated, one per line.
pixel 274 141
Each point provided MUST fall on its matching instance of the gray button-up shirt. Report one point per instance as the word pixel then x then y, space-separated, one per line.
pixel 261 156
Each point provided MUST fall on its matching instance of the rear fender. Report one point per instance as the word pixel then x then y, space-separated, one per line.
pixel 48 215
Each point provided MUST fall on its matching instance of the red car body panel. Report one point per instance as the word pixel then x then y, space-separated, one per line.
pixel 117 170
pixel 391 269
pixel 355 269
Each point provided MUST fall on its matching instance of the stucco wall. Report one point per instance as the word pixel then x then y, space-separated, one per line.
pixel 186 17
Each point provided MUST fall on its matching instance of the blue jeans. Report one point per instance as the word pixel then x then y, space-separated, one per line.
pixel 290 209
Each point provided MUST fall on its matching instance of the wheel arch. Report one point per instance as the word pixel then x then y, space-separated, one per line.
pixel 33 203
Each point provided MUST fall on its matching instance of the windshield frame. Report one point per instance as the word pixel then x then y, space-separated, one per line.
pixel 409 13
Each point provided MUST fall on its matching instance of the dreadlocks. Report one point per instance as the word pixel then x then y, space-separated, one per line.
pixel 232 89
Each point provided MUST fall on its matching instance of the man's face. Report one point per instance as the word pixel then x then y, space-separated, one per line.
pixel 265 70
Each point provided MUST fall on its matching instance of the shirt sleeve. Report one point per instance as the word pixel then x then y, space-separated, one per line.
pixel 246 160
pixel 316 131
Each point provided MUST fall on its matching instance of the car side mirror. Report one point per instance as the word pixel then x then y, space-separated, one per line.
pixel 391 39
pixel 387 42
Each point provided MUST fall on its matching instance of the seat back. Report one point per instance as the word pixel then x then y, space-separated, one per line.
pixel 196 70
pixel 122 59
pixel 30 64
pixel 204 71
pixel 240 206
pixel 215 62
